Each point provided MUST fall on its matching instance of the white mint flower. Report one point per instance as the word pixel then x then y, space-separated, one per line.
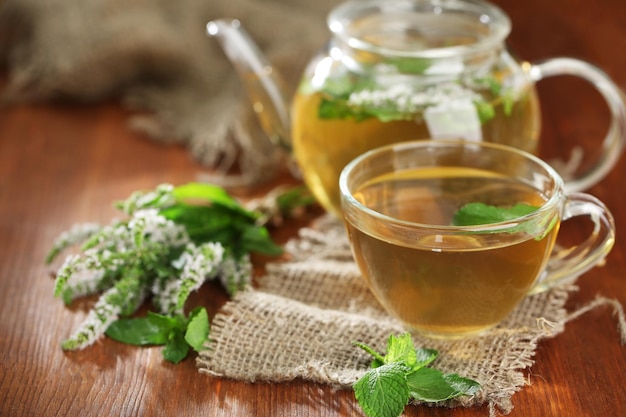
pixel 236 274
pixel 83 282
pixel 78 233
pixel 406 98
pixel 94 326
pixel 197 264
pixel 161 197
pixel 149 223
pixel 124 298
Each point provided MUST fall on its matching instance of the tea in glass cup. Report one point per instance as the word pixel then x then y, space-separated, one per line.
pixel 452 235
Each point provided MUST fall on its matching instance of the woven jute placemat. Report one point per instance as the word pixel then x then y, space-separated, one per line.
pixel 304 315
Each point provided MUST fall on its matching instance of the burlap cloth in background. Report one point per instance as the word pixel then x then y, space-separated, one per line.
pixel 302 318
pixel 155 56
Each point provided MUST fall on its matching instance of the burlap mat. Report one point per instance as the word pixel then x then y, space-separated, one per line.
pixel 302 319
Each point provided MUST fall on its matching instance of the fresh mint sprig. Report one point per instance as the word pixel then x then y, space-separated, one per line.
pixel 172 241
pixel 401 375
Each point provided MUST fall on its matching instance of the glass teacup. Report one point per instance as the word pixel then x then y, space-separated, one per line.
pixel 452 235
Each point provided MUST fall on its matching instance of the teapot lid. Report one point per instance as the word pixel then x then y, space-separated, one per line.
pixel 420 28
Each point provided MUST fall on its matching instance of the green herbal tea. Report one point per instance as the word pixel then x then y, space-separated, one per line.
pixel 450 285
pixel 332 127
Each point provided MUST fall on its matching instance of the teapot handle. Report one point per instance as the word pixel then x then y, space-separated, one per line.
pixel 615 140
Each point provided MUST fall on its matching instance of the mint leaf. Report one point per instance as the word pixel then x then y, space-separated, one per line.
pixel 197 328
pixel 508 101
pixel 257 239
pixel 430 385
pixel 383 391
pixel 465 386
pixel 217 223
pixel 388 113
pixel 473 214
pixel 400 349
pixel 209 193
pixel 176 348
pixel 485 111
pixel 494 85
pixel 425 357
pixel 338 109
pixel 153 329
pixel 342 86
pixel 296 197
pixel 411 65
pixel 480 213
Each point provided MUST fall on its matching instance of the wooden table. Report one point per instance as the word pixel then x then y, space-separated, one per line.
pixel 62 164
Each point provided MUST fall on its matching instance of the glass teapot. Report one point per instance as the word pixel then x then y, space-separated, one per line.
pixel 397 70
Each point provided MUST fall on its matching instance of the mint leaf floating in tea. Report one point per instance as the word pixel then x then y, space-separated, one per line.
pixel 473 214
pixel 172 241
pixel 360 99
pixel 401 375
pixel 485 111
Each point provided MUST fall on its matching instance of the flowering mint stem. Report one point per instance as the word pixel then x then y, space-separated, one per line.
pixel 173 240
pixel 196 265
pixel 122 299
pixel 77 234
pixel 236 273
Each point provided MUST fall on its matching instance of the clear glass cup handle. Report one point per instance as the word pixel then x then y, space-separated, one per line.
pixel 567 264
pixel 615 140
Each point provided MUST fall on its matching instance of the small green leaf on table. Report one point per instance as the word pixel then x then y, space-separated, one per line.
pixel 401 374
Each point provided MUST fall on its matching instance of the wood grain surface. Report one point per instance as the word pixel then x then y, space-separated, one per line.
pixel 62 164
